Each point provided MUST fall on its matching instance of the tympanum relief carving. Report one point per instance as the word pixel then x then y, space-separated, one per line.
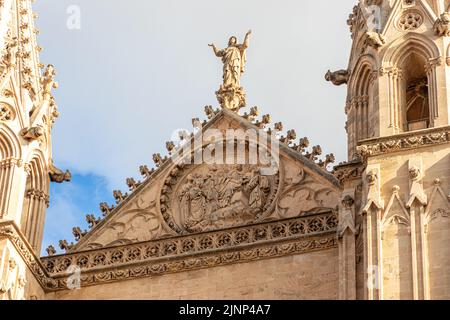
pixel 212 197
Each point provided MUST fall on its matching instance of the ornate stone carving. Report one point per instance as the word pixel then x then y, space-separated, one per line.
pixel 338 78
pixel 78 233
pixel 404 141
pixel 410 20
pixel 48 82
pixel 105 209
pixel 33 133
pixel 9 59
pixel 152 258
pixel 442 25
pixel 232 98
pixel 10 231
pixel 303 194
pixel 119 196
pixel 231 95
pixel 221 196
pixel 64 245
pixel 92 221
pixel 374 40
pixel 346 220
pixel 51 251
pixel 57 175
pixel 6 112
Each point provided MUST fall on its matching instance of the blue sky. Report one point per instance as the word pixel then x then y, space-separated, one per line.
pixel 138 70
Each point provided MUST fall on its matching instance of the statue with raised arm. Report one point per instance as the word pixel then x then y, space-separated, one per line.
pixel 234 59
pixel 231 95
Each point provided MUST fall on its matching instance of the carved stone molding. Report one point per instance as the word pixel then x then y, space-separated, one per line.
pixel 405 141
pixel 10 162
pixel 9 231
pixel 236 245
pixel 352 170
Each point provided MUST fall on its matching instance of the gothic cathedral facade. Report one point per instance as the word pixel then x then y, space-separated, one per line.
pixel 376 227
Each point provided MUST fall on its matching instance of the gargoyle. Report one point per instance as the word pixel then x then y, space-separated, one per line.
pixel 338 78
pixel 442 25
pixel 57 175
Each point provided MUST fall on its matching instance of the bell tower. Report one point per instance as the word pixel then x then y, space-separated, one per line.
pixel 398 174
pixel 27 114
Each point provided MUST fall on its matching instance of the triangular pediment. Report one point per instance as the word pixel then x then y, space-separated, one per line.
pixel 180 198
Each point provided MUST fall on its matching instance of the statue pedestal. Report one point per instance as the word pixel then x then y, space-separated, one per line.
pixel 232 98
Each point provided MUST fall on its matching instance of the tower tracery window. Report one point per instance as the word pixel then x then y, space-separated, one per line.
pixel 416 101
pixel 410 20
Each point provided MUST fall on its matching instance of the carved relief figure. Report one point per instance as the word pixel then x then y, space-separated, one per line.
pixel 223 197
pixel 193 201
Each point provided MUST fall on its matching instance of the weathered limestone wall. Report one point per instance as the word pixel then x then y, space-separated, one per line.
pixel 312 275
pixel 414 256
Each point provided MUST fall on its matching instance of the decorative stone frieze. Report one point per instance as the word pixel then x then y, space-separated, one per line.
pixel 404 141
pixel 209 249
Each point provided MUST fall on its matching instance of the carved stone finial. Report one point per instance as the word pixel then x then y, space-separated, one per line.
pixel 265 121
pixel 145 171
pixel 92 221
pixel 157 159
pixel 337 78
pixel 78 233
pixel 303 144
pixel 251 116
pixel 170 146
pixel 105 209
pixel 64 245
pixel 119 196
pixel 51 251
pixel 315 153
pixel 132 184
pixel 329 159
pixel 210 112
pixel 290 137
pixel 278 126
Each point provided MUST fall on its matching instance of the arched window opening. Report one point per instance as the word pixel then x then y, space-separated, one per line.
pixel 416 113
